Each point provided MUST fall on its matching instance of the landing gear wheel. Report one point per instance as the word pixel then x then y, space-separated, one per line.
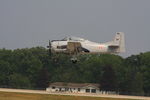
pixel 74 60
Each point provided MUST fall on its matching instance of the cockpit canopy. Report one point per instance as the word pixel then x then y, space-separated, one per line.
pixel 73 39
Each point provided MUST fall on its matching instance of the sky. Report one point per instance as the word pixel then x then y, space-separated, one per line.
pixel 31 23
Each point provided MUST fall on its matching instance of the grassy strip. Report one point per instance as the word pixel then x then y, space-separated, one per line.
pixel 26 96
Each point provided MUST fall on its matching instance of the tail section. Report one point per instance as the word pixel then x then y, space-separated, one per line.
pixel 118 44
pixel 119 39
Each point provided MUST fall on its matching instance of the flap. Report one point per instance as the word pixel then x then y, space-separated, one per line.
pixel 73 47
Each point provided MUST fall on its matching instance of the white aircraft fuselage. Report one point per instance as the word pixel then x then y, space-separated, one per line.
pixel 90 47
pixel 80 45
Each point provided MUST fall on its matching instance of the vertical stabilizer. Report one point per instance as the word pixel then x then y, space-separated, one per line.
pixel 119 39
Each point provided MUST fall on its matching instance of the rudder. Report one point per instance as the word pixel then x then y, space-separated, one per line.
pixel 119 39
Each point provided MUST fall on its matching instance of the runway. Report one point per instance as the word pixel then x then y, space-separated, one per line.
pixel 74 94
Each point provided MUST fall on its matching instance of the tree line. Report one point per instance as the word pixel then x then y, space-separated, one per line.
pixel 34 68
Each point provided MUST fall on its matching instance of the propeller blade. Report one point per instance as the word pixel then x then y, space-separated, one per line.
pixel 49 46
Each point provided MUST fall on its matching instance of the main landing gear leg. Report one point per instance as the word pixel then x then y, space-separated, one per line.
pixel 74 59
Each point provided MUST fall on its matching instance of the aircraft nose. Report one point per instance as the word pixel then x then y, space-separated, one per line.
pixel 54 44
pixel 51 44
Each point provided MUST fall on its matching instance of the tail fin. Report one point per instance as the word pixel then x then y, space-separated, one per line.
pixel 118 44
pixel 119 39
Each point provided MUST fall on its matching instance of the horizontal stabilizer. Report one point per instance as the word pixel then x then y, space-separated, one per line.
pixel 113 46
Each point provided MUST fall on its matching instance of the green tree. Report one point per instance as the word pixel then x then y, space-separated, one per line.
pixel 43 78
pixel 108 81
pixel 138 84
pixel 5 71
pixel 19 81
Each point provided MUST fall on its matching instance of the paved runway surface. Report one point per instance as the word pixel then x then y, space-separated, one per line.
pixel 73 94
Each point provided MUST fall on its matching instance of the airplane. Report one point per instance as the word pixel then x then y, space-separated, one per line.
pixel 75 46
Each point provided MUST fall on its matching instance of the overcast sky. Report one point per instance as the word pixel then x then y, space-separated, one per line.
pixel 31 23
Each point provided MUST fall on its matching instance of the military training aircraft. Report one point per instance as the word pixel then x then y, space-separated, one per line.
pixel 75 46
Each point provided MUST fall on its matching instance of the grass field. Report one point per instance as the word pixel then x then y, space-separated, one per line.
pixel 26 96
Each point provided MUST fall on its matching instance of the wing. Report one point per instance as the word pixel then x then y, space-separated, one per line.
pixel 74 47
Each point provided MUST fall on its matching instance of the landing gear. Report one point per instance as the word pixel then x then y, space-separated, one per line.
pixel 74 60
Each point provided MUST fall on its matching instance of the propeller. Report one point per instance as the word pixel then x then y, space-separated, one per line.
pixel 49 46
